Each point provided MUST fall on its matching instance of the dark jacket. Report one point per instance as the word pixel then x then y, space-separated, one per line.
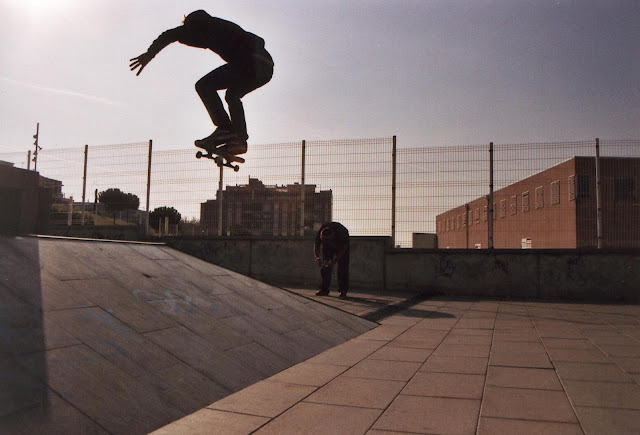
pixel 232 43
pixel 341 233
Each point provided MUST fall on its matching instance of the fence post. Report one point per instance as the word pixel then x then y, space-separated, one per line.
pixel 84 182
pixel 598 196
pixel 220 202
pixel 490 216
pixel 29 160
pixel 302 188
pixel 394 161
pixel 70 212
pixel 35 152
pixel 146 223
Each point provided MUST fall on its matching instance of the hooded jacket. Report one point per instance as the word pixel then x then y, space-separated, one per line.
pixel 230 41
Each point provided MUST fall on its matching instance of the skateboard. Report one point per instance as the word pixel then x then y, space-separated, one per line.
pixel 220 157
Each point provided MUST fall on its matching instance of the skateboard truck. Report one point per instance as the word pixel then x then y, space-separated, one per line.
pixel 221 158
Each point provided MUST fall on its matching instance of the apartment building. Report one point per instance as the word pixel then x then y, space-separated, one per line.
pixel 259 210
pixel 555 208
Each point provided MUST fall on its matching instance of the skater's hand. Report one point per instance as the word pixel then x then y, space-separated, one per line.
pixel 140 62
pixel 319 261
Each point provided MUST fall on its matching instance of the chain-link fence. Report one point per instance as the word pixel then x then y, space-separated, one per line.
pixel 537 195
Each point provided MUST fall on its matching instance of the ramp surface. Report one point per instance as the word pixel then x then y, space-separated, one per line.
pixel 103 337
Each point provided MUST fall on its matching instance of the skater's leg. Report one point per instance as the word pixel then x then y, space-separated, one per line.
pixel 325 275
pixel 207 88
pixel 253 76
pixel 343 274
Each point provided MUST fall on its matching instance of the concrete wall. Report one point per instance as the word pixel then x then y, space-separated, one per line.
pixel 611 275
pixel 289 261
pixel 547 274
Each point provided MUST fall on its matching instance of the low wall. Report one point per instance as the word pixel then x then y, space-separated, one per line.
pixel 546 274
pixel 289 261
pixel 608 275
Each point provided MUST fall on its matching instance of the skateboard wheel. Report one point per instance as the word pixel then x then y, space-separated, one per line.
pixel 236 168
pixel 198 154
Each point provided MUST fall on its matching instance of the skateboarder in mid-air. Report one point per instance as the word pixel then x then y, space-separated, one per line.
pixel 249 66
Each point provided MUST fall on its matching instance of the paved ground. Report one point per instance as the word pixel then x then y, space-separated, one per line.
pixel 126 338
pixel 452 366
pixel 100 337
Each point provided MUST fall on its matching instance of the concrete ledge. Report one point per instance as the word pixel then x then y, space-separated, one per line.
pixel 611 275
pixel 588 275
pixel 288 261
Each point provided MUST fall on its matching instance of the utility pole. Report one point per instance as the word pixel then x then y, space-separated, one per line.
pixel 35 153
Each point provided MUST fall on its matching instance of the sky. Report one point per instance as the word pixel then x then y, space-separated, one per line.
pixel 431 72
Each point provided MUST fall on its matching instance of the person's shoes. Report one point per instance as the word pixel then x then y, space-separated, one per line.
pixel 343 295
pixel 234 147
pixel 218 137
pixel 322 293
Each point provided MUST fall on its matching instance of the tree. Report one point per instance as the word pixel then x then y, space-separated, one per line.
pixel 115 200
pixel 159 213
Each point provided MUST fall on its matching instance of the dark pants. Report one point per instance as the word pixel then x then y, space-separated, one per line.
pixel 343 271
pixel 238 79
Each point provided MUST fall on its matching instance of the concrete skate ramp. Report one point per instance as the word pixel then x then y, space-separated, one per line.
pixel 100 337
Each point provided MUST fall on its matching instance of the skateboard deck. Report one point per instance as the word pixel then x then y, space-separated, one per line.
pixel 220 157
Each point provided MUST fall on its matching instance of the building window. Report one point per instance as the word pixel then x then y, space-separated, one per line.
pixel 539 197
pixel 572 187
pixel 525 202
pixel 514 205
pixel 477 215
pixel 503 208
pixel 495 215
pixel 555 192
pixel 470 217
pixel 624 187
pixel 484 213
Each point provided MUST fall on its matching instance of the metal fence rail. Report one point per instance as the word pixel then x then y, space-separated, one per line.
pixel 529 195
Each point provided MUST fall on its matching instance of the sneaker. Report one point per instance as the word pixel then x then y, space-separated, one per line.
pixel 218 137
pixel 343 295
pixel 322 293
pixel 234 147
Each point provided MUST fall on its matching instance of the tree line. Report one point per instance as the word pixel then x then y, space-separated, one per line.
pixel 115 200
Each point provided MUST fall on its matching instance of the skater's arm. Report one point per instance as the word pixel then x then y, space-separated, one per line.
pixel 161 42
pixel 316 252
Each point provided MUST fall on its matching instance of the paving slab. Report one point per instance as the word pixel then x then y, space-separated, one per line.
pixel 527 404
pixel 207 421
pixel 604 394
pixel 520 377
pixel 609 420
pixel 264 399
pixel 358 392
pixel 454 385
pixel 490 426
pixel 417 414
pixel 321 419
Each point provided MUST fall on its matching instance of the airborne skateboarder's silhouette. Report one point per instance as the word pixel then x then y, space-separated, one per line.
pixel 249 66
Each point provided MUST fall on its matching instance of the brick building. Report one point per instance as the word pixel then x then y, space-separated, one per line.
pixel 555 208
pixel 256 209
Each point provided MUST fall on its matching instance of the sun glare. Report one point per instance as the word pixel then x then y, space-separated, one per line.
pixel 39 8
